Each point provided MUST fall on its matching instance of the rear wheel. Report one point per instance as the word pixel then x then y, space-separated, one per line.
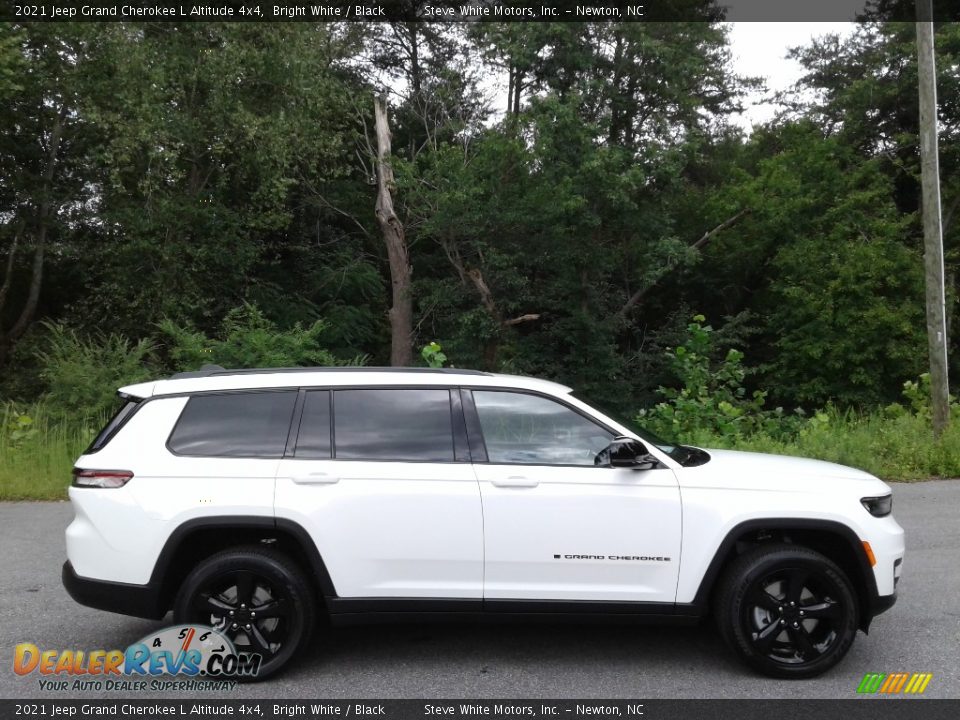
pixel 787 611
pixel 256 597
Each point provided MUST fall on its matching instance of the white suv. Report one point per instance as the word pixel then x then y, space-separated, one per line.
pixel 251 501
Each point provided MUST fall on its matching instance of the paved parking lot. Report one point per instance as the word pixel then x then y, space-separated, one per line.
pixel 921 633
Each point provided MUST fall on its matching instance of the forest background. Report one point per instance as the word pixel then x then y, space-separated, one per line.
pixel 175 194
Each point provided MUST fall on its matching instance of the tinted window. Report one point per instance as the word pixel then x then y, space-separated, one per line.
pixel 520 428
pixel 234 425
pixel 111 428
pixel 314 438
pixel 393 425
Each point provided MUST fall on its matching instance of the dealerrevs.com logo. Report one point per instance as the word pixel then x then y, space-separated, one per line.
pixel 194 651
pixel 895 683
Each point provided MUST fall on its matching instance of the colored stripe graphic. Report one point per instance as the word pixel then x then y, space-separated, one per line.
pixel 871 682
pixel 922 680
pixel 895 683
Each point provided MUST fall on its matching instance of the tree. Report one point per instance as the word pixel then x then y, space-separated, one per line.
pixel 401 312
pixel 211 133
pixel 835 295
pixel 863 90
pixel 44 186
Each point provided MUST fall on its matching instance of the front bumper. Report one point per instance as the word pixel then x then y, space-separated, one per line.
pixel 124 598
pixel 881 603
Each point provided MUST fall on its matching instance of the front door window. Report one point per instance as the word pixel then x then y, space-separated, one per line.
pixel 519 428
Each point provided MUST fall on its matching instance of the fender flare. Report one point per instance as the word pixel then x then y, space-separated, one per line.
pixel 710 577
pixel 318 569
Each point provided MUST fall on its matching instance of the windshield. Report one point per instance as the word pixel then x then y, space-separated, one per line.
pixel 631 425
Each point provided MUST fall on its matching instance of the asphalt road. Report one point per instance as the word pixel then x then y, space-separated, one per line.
pixel 920 633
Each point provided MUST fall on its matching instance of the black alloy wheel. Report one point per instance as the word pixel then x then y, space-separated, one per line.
pixel 787 611
pixel 256 597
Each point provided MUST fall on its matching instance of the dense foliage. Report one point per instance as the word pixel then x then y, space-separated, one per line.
pixel 177 194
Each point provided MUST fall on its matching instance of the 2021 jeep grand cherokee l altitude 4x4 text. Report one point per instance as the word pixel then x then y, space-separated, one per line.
pixel 252 500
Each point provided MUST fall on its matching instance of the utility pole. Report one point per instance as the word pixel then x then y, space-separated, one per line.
pixel 932 227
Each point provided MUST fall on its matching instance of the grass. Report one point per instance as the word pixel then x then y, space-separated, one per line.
pixel 36 457
pixel 899 448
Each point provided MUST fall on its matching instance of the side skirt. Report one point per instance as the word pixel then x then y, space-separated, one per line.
pixel 368 611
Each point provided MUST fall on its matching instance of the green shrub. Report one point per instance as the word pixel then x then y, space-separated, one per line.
pixel 711 408
pixel 711 400
pixel 81 375
pixel 248 339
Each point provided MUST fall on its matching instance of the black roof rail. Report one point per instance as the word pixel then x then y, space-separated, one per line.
pixel 204 371
pixel 216 370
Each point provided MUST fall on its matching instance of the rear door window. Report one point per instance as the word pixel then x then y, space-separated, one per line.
pixel 237 424
pixel 386 424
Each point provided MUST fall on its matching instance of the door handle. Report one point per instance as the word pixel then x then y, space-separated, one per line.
pixel 517 481
pixel 315 478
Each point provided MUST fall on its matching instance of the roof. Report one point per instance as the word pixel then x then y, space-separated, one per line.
pixel 213 378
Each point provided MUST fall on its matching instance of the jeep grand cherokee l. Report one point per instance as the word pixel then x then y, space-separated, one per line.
pixel 254 500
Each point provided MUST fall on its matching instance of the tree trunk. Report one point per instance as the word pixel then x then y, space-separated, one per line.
pixel 45 213
pixel 401 312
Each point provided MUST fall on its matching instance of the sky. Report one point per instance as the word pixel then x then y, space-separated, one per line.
pixel 759 49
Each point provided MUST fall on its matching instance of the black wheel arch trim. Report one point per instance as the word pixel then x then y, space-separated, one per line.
pixel 870 606
pixel 245 522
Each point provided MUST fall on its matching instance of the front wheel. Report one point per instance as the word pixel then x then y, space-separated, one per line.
pixel 787 611
pixel 256 597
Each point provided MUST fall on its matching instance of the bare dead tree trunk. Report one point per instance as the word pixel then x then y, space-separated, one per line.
pixel 401 312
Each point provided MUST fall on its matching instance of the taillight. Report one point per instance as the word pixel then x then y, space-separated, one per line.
pixel 100 478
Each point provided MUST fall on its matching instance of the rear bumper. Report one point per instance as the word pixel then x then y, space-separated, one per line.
pixel 137 600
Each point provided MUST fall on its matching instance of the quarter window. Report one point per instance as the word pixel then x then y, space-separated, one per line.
pixel 533 430
pixel 239 424
pixel 112 427
pixel 405 424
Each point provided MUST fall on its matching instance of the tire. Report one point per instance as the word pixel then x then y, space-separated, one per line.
pixel 757 621
pixel 251 581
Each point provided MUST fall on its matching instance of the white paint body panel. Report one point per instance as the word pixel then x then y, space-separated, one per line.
pixel 736 487
pixel 404 529
pixel 118 533
pixel 580 511
pixel 389 529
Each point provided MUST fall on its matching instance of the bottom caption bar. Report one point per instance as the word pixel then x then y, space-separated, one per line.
pixel 507 709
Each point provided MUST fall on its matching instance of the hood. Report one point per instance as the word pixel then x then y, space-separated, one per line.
pixel 774 465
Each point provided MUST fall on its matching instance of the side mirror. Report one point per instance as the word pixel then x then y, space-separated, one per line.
pixel 626 452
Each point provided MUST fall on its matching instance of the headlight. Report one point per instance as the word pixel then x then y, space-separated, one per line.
pixel 878 506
